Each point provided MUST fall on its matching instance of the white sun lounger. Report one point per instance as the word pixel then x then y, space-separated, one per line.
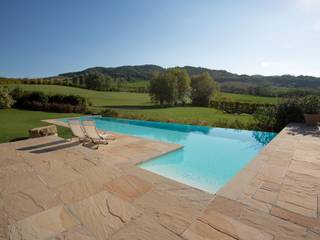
pixel 92 132
pixel 77 130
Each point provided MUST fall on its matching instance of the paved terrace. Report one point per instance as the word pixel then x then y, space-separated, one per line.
pixel 53 189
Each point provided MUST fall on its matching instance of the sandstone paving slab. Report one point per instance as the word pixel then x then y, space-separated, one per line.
pixel 304 204
pixel 306 168
pixel 77 190
pixel 43 225
pixel 280 228
pixel 233 227
pixel 128 187
pixel 312 236
pixel 254 204
pixel 170 211
pixel 266 196
pixel 56 177
pixel 203 231
pixel 228 207
pixel 103 214
pixel 27 202
pixel 311 223
pixel 145 228
pixel 102 174
pixel 77 233
pixel 17 177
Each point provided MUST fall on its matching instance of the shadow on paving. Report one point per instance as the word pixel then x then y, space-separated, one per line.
pixel 59 147
pixel 304 130
pixel 41 145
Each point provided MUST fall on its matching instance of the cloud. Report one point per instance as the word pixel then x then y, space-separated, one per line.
pixel 265 64
pixel 316 27
pixel 308 5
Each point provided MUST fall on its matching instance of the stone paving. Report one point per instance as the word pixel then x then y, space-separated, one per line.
pixel 54 189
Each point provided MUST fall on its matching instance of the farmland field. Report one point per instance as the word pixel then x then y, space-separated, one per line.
pixel 107 99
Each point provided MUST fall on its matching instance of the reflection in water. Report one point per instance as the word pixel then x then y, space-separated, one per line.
pixel 263 137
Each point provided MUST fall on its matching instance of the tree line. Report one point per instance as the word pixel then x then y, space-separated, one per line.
pixel 174 86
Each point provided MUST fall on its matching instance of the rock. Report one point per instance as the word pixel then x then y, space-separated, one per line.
pixel 43 131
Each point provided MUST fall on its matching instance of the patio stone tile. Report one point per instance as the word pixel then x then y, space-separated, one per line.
pixel 310 223
pixel 27 202
pixel 103 214
pixel 302 183
pixel 128 187
pixel 225 206
pixel 170 211
pixel 301 203
pixel 4 223
pixel 145 228
pixel 232 227
pixel 312 236
pixel 266 196
pixel 305 168
pixel 17 177
pixel 77 190
pixel 281 229
pixel 255 204
pixel 307 156
pixel 202 231
pixel 102 174
pixel 56 177
pixel 76 233
pixel 42 225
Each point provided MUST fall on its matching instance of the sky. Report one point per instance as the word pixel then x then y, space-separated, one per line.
pixel 270 37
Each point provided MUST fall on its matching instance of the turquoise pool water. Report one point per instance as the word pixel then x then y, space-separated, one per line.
pixel 210 156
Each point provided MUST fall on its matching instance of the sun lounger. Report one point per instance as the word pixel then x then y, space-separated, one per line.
pixel 77 130
pixel 93 133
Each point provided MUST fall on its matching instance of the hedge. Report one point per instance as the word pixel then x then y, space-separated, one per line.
pixel 237 107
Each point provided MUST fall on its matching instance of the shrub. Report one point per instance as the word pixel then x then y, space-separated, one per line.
pixel 109 113
pixel 6 100
pixel 56 103
pixel 277 117
pixel 236 107
pixel 311 104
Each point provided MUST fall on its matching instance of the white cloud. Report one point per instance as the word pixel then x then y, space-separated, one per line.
pixel 265 64
pixel 308 5
pixel 316 27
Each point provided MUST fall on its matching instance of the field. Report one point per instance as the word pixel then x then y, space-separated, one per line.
pixel 108 99
pixel 14 123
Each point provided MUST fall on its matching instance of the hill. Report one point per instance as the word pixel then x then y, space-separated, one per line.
pixel 228 81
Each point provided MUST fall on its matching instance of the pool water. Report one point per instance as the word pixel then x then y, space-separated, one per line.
pixel 210 156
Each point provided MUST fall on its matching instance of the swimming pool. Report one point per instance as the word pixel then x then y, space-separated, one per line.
pixel 210 156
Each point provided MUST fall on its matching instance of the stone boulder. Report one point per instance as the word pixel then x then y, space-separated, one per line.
pixel 43 131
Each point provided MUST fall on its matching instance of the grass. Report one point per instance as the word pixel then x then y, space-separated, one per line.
pixel 190 115
pixel 101 99
pixel 246 98
pixel 98 99
pixel 14 123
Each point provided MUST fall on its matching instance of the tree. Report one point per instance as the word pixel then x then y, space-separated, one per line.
pixel 183 84
pixel 170 87
pixel 97 81
pixel 6 100
pixel 163 88
pixel 203 87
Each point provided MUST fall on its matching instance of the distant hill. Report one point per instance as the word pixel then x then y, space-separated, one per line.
pixel 227 79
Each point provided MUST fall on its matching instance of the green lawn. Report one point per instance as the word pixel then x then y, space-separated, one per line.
pixel 98 99
pixel 246 98
pixel 191 115
pixel 14 124
pixel 106 99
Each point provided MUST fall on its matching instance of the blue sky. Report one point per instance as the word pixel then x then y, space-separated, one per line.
pixel 43 38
